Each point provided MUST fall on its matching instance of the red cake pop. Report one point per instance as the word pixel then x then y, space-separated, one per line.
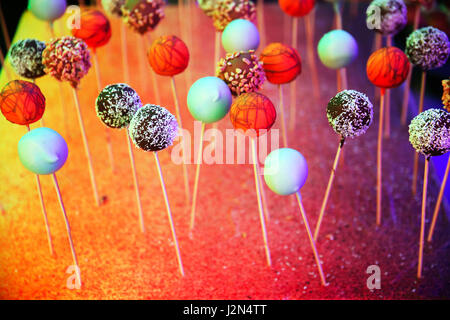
pixel 95 29
pixel 296 8
pixel 252 110
pixel 168 55
pixel 281 63
pixel 387 67
pixel 22 102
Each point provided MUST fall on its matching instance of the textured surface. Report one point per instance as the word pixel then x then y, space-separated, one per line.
pixel 225 257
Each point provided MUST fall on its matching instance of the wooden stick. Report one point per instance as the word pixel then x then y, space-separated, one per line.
pixel 197 176
pixel 107 130
pixel 260 208
pixel 263 195
pixel 123 41
pixel 311 55
pixel 283 121
pixel 311 240
pixel 4 30
pixel 169 214
pixel 261 22
pixel 153 75
pixel 185 169
pixel 86 146
pixel 43 209
pixel 438 203
pixel 327 192
pixel 380 157
pixel 337 14
pixel 343 76
pixel 422 219
pixel 407 86
pixel 136 183
pixel 216 51
pixel 293 83
pixel 387 118
pixel 69 232
pixel 416 155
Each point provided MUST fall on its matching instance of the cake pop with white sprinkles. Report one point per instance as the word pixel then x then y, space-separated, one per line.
pixel 116 104
pixel 390 16
pixel 26 58
pixel 428 48
pixel 153 128
pixel 429 132
pixel 350 113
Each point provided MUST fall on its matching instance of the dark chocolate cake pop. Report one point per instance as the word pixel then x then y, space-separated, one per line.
pixel 388 16
pixel 350 113
pixel 153 128
pixel 429 132
pixel 116 104
pixel 143 15
pixel 26 58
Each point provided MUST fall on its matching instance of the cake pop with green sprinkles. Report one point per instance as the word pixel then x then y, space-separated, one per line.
pixel 429 132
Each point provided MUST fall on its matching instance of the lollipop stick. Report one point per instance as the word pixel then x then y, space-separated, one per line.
pixel 387 118
pixel 379 157
pixel 86 146
pixel 69 232
pixel 263 194
pixel 293 83
pixel 260 208
pixel 107 132
pixel 343 76
pixel 416 155
pixel 261 22
pixel 4 29
pixel 311 57
pixel 327 192
pixel 124 47
pixel 438 203
pixel 422 219
pixel 311 240
pixel 283 121
pixel 185 170
pixel 337 14
pixel 136 184
pixel 216 51
pixel 408 79
pixel 169 214
pixel 153 75
pixel 197 176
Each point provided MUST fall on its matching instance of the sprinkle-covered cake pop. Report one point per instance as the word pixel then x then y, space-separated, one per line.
pixel 241 71
pixel 153 128
pixel 42 151
pixel 168 55
pixel 143 15
pixel 94 29
pixel 281 63
pixel 429 132
pixel 387 67
pixel 350 113
pixel 116 104
pixel 67 59
pixel 296 8
pixel 337 49
pixel 253 111
pixel 226 11
pixel 113 7
pixel 26 58
pixel 22 102
pixel 207 6
pixel 446 94
pixel 48 10
pixel 428 48
pixel 386 16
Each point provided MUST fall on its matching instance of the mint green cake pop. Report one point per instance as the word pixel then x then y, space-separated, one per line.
pixel 337 49
pixel 209 99
pixel 48 10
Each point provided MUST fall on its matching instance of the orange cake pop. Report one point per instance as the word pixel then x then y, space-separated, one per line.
pixel 95 29
pixel 281 63
pixel 168 55
pixel 296 8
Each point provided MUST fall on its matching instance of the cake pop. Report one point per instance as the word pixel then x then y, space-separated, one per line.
pixel 48 10
pixel 208 100
pixel 207 6
pixel 285 173
pixel 386 16
pixel 116 104
pixel 296 8
pixel 22 102
pixel 350 114
pixel 281 63
pixel 240 35
pixel 143 15
pixel 113 7
pixel 94 30
pixel 241 71
pixel 26 58
pixel 67 59
pixel 153 128
pixel 168 55
pixel 429 134
pixel 337 49
pixel 226 11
